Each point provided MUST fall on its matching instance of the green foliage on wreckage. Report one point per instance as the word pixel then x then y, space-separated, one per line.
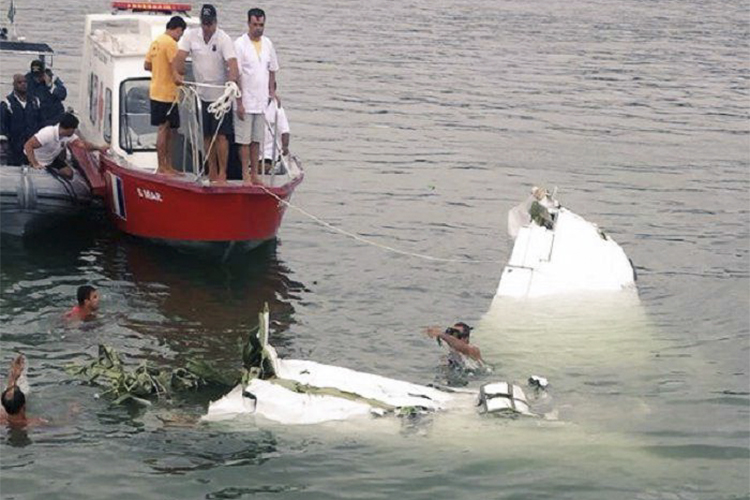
pixel 143 382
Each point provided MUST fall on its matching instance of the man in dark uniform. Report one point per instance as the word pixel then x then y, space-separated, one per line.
pixel 20 118
pixel 50 91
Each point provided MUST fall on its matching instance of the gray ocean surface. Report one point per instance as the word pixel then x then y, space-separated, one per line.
pixel 420 125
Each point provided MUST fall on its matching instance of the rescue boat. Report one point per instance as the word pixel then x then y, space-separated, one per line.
pixel 185 210
pixel 33 201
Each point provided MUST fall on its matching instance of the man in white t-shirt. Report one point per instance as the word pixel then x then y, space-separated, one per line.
pixel 214 62
pixel 46 149
pixel 258 66
pixel 277 124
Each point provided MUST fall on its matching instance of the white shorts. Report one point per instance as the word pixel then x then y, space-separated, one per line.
pixel 250 129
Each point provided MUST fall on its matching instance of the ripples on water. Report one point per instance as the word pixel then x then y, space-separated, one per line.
pixel 421 124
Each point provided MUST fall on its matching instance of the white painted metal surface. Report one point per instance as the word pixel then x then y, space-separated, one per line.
pixel 573 256
pixel 326 393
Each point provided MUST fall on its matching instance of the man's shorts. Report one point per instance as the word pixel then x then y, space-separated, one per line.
pixel 162 112
pixel 250 129
pixel 60 161
pixel 210 123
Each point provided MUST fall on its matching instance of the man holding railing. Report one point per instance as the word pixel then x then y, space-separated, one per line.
pixel 213 56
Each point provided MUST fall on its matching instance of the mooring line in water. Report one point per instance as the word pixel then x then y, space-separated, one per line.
pixel 368 241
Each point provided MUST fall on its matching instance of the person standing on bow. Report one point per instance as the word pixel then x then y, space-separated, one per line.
pixel 163 91
pixel 258 66
pixel 20 118
pixel 214 61
pixel 49 89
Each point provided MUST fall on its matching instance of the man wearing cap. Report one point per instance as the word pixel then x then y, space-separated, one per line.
pixel 49 89
pixel 20 118
pixel 163 91
pixel 258 66
pixel 214 61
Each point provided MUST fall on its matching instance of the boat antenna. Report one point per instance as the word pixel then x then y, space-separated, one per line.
pixel 12 19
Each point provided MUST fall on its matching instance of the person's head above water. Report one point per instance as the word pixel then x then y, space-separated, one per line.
pixel 13 400
pixel 460 330
pixel 88 296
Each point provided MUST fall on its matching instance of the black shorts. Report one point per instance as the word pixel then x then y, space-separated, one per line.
pixel 60 162
pixel 210 123
pixel 162 112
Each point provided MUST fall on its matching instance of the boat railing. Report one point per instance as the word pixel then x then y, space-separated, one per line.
pixel 194 145
pixel 277 160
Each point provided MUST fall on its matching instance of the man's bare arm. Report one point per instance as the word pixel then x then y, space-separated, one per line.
pixel 90 146
pixel 455 344
pixel 234 70
pixel 16 369
pixel 272 84
pixel 285 144
pixel 179 62
pixel 239 107
pixel 28 148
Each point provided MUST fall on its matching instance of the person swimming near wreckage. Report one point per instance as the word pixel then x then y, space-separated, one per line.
pixel 463 356
pixel 13 398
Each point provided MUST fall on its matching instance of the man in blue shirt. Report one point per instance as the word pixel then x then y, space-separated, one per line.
pixel 20 118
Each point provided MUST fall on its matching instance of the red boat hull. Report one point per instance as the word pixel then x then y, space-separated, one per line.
pixel 184 212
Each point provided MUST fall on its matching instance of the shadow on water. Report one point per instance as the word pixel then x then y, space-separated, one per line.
pixel 56 250
pixel 195 303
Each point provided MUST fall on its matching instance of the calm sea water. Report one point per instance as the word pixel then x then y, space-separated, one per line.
pixel 420 124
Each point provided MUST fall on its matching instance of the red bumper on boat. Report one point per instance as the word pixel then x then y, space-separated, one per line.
pixel 171 208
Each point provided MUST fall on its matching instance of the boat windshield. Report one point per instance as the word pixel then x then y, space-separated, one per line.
pixel 136 131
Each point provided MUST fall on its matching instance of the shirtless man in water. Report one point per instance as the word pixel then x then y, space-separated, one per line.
pixel 14 400
pixel 88 303
pixel 457 338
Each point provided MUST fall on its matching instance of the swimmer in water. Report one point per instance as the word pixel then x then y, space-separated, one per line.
pixel 88 303
pixel 14 399
pixel 463 354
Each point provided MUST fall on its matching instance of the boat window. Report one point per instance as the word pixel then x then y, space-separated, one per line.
pixel 136 131
pixel 107 129
pixel 93 97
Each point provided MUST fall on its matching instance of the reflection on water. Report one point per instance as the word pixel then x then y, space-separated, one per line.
pixel 595 349
pixel 201 303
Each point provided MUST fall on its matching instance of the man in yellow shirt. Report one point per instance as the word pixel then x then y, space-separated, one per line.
pixel 163 91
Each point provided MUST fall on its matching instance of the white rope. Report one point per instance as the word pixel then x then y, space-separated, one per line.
pixel 368 241
pixel 218 107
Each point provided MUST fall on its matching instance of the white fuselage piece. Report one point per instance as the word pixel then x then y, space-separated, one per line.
pixel 573 256
pixel 307 392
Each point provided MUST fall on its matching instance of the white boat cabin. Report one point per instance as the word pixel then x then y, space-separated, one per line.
pixel 114 106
